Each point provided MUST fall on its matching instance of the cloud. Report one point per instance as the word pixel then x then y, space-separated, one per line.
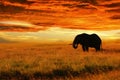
pixel 114 10
pixel 87 1
pixel 21 1
pixel 17 29
pixel 2 40
pixel 72 14
pixel 44 23
pixel 21 8
pixel 81 4
pixel 17 26
pixel 112 5
pixel 116 17
pixel 86 6
pixel 118 34
pixel 10 8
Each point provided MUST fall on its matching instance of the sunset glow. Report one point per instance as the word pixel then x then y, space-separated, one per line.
pixel 19 23
pixel 54 20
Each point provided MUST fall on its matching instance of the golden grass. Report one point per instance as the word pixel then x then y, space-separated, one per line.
pixel 52 61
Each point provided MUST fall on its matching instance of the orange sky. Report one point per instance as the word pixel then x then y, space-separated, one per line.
pixel 52 20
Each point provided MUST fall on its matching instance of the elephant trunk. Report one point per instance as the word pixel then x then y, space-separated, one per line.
pixel 75 45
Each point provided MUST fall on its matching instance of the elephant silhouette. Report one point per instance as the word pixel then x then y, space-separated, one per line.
pixel 87 40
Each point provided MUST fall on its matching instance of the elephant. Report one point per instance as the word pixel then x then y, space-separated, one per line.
pixel 87 40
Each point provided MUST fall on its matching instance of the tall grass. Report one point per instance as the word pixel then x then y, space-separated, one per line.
pixel 30 62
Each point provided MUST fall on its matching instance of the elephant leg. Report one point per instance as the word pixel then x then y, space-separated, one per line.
pixel 87 49
pixel 83 47
pixel 97 48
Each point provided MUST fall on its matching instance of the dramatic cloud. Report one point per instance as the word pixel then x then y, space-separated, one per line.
pixel 18 26
pixel 94 2
pixel 21 1
pixel 10 8
pixel 115 17
pixel 112 5
pixel 114 10
pixel 71 14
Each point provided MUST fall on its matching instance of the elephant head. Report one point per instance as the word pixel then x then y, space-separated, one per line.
pixel 75 45
pixel 76 42
pixel 87 41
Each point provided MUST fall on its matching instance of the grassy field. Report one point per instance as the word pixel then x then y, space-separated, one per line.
pixel 20 61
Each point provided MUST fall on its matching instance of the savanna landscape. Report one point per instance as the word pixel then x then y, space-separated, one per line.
pixel 20 61
pixel 37 37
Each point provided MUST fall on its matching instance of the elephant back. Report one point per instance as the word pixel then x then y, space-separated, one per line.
pixel 94 38
pixel 83 38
